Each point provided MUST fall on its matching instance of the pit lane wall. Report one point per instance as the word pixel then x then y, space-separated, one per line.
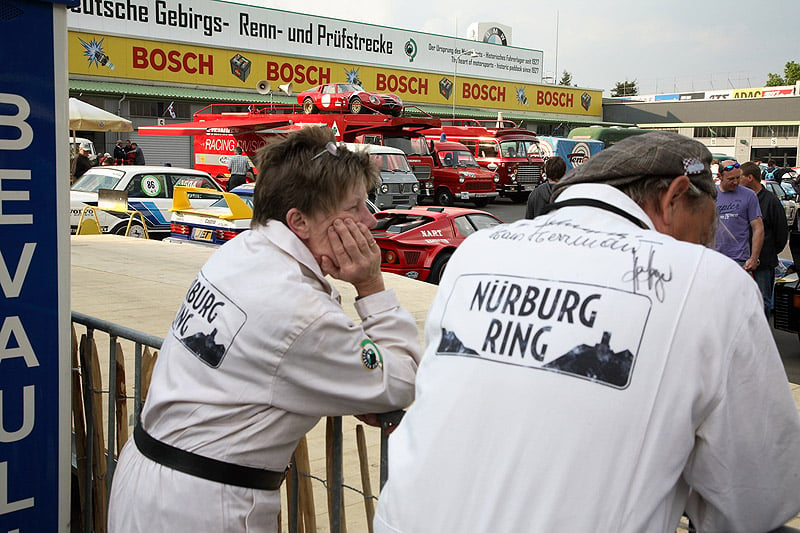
pixel 225 45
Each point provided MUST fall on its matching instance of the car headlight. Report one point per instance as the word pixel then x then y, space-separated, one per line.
pixel 496 178
pixel 415 188
pixel 384 189
pixel 374 99
pixel 461 178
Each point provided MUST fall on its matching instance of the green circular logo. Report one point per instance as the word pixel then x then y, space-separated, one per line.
pixel 370 355
pixel 151 186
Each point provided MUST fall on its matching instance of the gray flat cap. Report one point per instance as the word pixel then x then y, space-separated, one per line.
pixel 661 154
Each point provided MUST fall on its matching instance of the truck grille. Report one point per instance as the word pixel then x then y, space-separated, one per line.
pixel 529 173
pixel 422 172
pixel 480 186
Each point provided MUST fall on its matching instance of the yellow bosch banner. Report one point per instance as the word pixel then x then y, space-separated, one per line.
pixel 120 57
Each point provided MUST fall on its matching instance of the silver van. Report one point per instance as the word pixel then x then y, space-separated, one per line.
pixel 398 185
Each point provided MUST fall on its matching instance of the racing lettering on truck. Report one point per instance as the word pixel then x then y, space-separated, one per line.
pixel 401 84
pixel 300 74
pixel 172 60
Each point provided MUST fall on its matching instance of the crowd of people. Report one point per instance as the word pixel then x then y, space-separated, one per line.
pixel 129 153
pixel 597 366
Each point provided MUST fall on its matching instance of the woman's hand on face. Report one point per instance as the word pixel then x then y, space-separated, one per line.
pixel 356 256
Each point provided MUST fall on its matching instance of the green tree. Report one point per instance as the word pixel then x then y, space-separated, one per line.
pixel 625 88
pixel 566 79
pixel 791 74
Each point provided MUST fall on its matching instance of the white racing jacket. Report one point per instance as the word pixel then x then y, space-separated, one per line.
pixel 586 379
pixel 259 351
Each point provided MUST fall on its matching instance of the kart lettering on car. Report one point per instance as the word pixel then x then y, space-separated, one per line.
pixel 431 233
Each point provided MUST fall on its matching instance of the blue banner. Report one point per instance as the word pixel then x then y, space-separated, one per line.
pixel 32 426
pixel 574 151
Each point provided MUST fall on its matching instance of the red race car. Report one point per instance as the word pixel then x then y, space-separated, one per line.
pixel 418 242
pixel 348 98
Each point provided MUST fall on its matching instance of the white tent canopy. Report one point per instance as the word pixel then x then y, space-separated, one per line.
pixel 86 117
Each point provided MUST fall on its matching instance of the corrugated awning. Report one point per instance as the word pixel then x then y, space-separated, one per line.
pixel 177 92
pixel 200 128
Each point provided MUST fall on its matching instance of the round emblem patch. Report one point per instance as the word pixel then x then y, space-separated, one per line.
pixel 151 186
pixel 370 355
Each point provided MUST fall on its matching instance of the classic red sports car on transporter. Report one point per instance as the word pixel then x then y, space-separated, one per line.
pixel 417 242
pixel 348 98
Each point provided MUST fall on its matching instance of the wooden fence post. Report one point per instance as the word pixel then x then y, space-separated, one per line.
pixel 121 401
pixel 79 427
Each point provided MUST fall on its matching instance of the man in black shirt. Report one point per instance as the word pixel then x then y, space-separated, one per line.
pixel 554 169
pixel 776 232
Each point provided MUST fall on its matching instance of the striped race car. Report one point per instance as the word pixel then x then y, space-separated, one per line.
pixel 213 224
pixel 219 222
pixel 147 189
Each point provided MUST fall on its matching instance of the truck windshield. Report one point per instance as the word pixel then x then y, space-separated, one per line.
pixel 463 158
pixel 517 148
pixel 409 146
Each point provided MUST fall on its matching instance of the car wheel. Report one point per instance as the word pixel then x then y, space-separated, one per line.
pixel 439 264
pixel 481 202
pixel 444 197
pixel 137 230
pixel 356 106
pixel 308 106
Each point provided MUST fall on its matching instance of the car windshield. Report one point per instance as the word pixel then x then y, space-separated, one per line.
pixel 248 199
pixel 412 146
pixel 391 162
pixel 789 189
pixel 399 223
pixel 517 148
pixel 350 87
pixel 94 180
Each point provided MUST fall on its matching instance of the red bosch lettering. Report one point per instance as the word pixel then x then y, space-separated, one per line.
pixel 555 98
pixel 484 92
pixel 172 60
pixel 286 72
pixel 401 84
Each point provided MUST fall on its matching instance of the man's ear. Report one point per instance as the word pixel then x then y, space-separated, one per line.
pixel 298 223
pixel 668 200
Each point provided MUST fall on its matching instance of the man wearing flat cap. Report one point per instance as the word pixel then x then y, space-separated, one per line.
pixel 582 371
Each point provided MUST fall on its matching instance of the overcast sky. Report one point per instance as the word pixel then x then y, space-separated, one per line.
pixel 680 45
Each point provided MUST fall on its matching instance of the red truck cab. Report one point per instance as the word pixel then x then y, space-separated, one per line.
pixel 457 176
pixel 499 147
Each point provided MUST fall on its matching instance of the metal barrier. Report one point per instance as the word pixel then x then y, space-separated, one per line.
pixel 99 464
pixel 84 380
